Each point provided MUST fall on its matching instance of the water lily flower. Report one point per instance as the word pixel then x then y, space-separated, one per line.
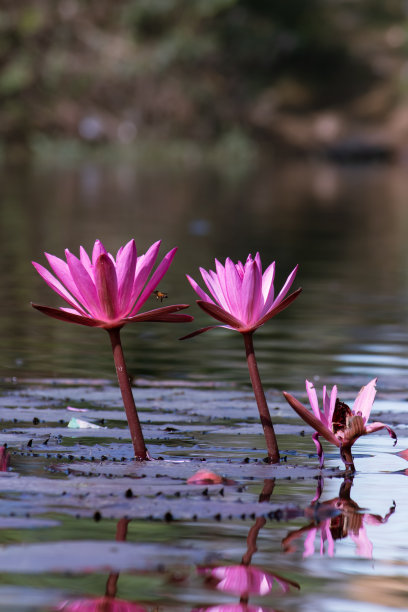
pixel 243 298
pixel 337 422
pixel 108 292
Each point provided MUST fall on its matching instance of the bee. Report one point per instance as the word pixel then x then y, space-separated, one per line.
pixel 160 295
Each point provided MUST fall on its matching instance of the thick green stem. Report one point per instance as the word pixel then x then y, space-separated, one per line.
pixel 271 443
pixel 127 396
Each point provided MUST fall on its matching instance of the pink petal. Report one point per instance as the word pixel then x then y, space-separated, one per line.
pixel 144 265
pixel 164 314
pixel 57 287
pixel 311 420
pixel 213 284
pixel 268 288
pixel 64 315
pixel 97 251
pixel 106 286
pixel 277 309
pixel 364 546
pixel 286 287
pixel 84 283
pixel 364 400
pixel 314 403
pixel 233 290
pixel 155 279
pixel 377 425
pixel 86 262
pixel 221 276
pixel 251 294
pixel 199 331
pixel 319 449
pixel 125 272
pixel 202 294
pixel 61 270
pixel 221 315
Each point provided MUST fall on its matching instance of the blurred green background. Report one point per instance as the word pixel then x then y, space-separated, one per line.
pixel 316 76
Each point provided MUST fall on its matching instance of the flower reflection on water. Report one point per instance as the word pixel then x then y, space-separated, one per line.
pixel 108 602
pixel 245 580
pixel 336 519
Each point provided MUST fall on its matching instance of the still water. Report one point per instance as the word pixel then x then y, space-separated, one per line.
pixel 63 538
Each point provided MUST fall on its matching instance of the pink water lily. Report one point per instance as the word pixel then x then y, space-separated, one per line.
pixel 108 292
pixel 104 291
pixel 243 299
pixel 337 422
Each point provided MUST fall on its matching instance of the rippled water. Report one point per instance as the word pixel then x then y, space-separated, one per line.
pixel 65 495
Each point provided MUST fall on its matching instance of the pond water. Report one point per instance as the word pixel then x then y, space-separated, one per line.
pixel 80 520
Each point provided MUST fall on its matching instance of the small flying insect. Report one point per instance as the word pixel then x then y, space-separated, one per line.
pixel 160 295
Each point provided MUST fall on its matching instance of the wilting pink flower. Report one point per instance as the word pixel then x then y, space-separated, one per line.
pixel 104 291
pixel 99 604
pixel 337 422
pixel 243 297
pixel 245 580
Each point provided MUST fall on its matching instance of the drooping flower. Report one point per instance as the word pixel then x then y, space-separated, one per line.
pixel 243 299
pixel 337 422
pixel 108 292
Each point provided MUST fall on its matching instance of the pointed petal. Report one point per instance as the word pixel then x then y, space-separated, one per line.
pixel 57 286
pixel 377 425
pixel 314 403
pixel 251 294
pixel 310 419
pixel 125 273
pixel 213 284
pixel 221 315
pixel 365 399
pixel 202 294
pixel 86 262
pixel 61 270
pixel 268 292
pixel 286 287
pixel 319 449
pixel 84 284
pixel 97 251
pixel 364 547
pixel 199 331
pixel 154 280
pixel 164 314
pixel 276 310
pixel 144 265
pixel 64 315
pixel 233 290
pixel 106 286
pixel 221 274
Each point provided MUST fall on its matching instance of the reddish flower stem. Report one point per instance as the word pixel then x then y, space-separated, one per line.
pixel 271 443
pixel 127 396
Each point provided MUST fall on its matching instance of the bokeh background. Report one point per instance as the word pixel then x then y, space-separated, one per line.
pixel 223 127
